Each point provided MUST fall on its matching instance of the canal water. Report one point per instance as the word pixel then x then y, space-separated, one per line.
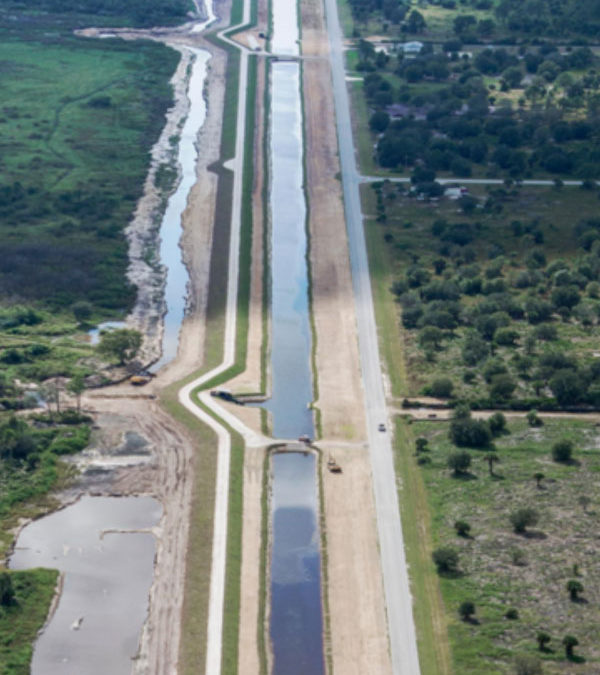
pixel 296 618
pixel 170 231
pixel 291 379
pixel 108 565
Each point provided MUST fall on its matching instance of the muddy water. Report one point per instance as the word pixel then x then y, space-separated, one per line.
pixel 107 578
pixel 170 232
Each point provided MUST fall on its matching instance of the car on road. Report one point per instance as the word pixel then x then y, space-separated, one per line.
pixel 381 426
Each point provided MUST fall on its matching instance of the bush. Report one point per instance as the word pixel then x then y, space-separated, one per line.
pixel 497 424
pixel 562 451
pixel 512 614
pixel 470 433
pixel 442 387
pixel 523 518
pixel 445 559
pixel 466 610
pixel 527 665
pixel 462 528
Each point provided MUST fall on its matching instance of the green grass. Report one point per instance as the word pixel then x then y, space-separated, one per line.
pixel 192 652
pixel 564 536
pixel 20 623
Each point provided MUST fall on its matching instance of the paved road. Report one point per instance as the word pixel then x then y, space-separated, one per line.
pixel 403 645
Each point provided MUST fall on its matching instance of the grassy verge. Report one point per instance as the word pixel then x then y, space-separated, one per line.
pixel 21 621
pixel 192 653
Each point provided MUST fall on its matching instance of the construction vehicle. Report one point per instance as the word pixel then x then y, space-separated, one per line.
pixel 333 466
pixel 139 380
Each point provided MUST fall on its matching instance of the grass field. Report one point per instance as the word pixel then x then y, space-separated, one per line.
pixel 564 537
pixel 21 621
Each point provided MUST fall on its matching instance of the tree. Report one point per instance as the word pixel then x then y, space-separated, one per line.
pixel 569 643
pixel 562 451
pixel 492 458
pixel 7 591
pixel 567 387
pixel 445 559
pixel 416 23
pixel 379 121
pixel 431 337
pixel 51 390
pixel 575 588
pixel 464 23
pixel 542 638
pixel 122 344
pixel 466 610
pixel 459 462
pixel 82 310
pixel 539 477
pixel 76 386
pixel 523 518
pixel 502 387
pixel 462 528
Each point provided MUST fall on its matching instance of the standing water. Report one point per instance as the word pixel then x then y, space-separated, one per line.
pixel 170 232
pixel 296 622
pixel 108 566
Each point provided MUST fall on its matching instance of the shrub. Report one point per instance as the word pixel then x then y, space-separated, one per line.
pixel 562 451
pixel 462 528
pixel 523 518
pixel 527 665
pixel 466 610
pixel 442 387
pixel 512 614
pixel 445 559
pixel 497 424
pixel 575 588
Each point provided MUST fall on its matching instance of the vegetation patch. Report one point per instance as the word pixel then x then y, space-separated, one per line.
pixel 496 308
pixel 522 575
pixel 25 598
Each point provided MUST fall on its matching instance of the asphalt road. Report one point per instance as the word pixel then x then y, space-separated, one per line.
pixel 403 644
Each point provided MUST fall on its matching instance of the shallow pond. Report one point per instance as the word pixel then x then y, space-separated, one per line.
pixel 107 577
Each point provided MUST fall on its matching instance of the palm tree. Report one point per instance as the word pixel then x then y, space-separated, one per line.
pixel 569 642
pixel 574 587
pixel 542 638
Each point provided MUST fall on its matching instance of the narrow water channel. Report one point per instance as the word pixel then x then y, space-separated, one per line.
pixel 170 231
pixel 296 618
pixel 108 565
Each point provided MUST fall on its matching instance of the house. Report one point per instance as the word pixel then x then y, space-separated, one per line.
pixel 412 48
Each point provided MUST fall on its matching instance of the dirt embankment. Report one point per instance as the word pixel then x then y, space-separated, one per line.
pixel 159 462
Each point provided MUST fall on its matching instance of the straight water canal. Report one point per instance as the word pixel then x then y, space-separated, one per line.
pixel 295 616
